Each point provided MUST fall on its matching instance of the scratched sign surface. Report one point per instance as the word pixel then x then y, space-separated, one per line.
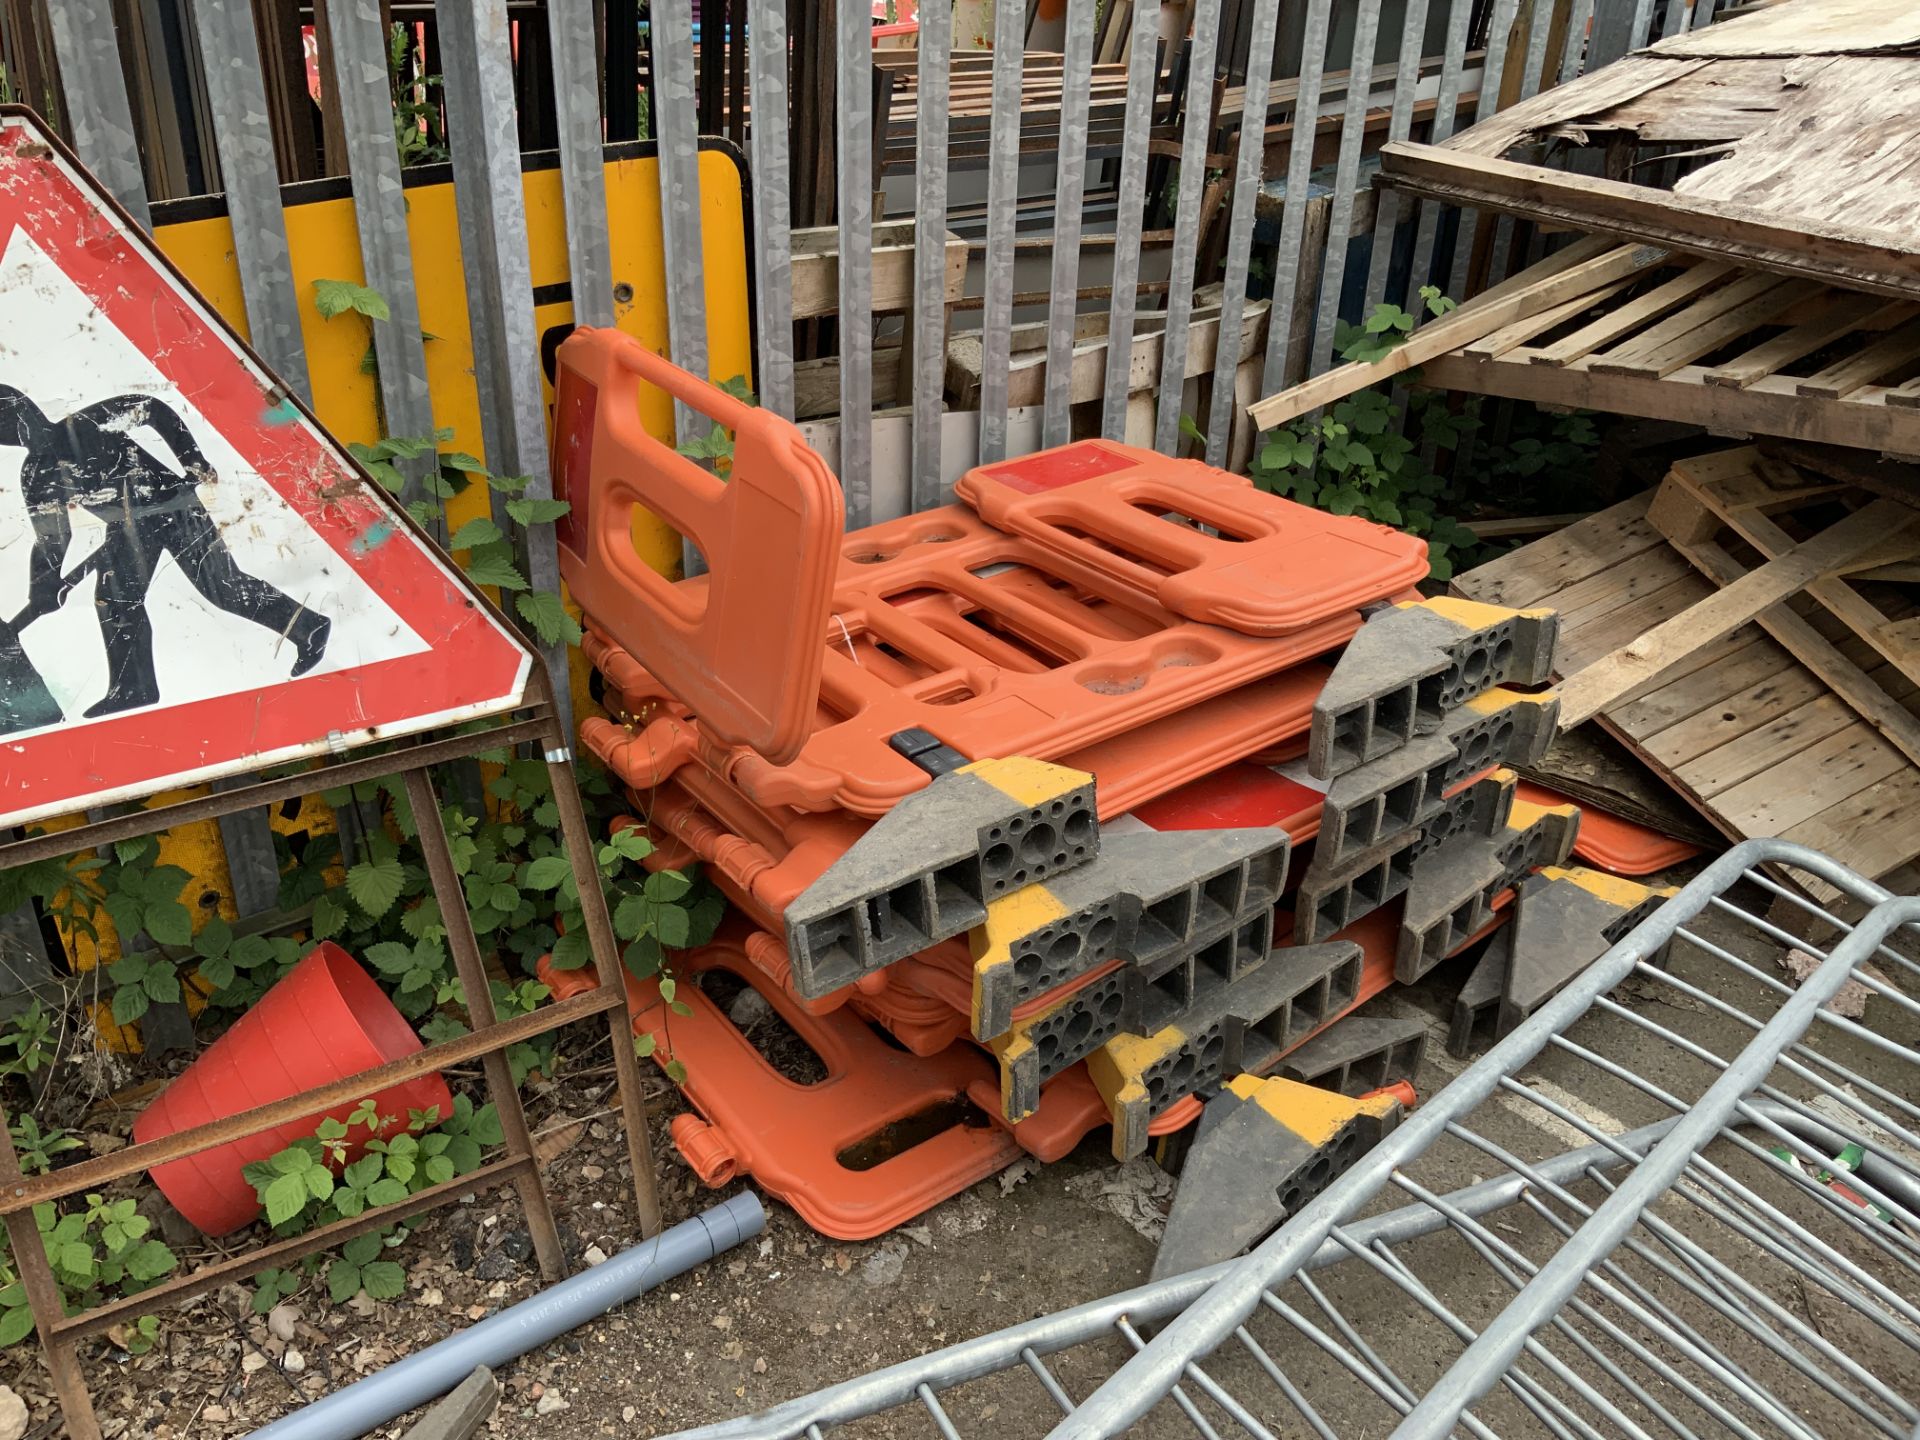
pixel 195 579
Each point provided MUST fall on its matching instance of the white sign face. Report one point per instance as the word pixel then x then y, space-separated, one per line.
pixel 194 578
pixel 209 631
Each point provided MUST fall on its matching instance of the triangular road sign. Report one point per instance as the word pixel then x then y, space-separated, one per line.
pixel 195 579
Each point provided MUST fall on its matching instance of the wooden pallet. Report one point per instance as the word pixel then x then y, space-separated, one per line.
pixel 1738 352
pixel 1762 737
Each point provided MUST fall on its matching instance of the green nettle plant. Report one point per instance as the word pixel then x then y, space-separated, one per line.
pixel 716 446
pixel 141 897
pixel 1354 459
pixel 312 1183
pixel 98 1253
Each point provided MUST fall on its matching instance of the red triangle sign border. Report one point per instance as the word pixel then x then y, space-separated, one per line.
pixel 472 664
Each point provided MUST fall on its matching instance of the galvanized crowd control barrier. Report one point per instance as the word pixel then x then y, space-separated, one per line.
pixel 1656 1237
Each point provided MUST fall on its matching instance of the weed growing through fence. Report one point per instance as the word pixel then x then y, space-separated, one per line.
pixel 312 1182
pixel 1357 458
pixel 99 1252
pixel 715 448
pixel 418 131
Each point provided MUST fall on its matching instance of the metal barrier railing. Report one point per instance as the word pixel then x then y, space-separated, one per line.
pixel 1655 1203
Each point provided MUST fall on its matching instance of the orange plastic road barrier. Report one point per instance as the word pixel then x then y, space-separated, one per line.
pixel 1238 796
pixel 996 647
pixel 742 647
pixel 773 852
pixel 1272 567
pixel 883 1137
pixel 1610 843
pixel 1070 1110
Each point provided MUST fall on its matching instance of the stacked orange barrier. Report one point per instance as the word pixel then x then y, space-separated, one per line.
pixel 1161 626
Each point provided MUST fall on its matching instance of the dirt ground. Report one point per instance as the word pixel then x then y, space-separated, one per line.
pixel 783 1314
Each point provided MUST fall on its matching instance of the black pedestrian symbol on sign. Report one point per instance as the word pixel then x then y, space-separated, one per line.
pixel 91 461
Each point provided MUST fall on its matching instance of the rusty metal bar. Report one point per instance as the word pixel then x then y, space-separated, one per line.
pixel 478 993
pixel 44 1299
pixel 488 1040
pixel 294 1247
pixel 607 964
pixel 267 792
pixel 22 1194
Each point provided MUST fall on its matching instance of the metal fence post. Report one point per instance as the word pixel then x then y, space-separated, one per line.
pixel 853 57
pixel 1198 120
pixel 1446 110
pixel 380 212
pixel 1293 215
pixel 1131 196
pixel 87 49
pixel 583 181
pixel 1387 203
pixel 925 487
pixel 676 129
pixel 1003 200
pixel 476 49
pixel 1353 126
pixel 1494 63
pixel 1251 162
pixel 249 173
pixel 1069 203
pixel 767 139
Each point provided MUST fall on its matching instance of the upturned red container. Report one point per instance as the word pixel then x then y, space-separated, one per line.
pixel 326 1020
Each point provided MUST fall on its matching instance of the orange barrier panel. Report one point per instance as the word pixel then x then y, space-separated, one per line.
pixel 742 646
pixel 1274 566
pixel 1613 844
pixel 844 1152
pixel 993 645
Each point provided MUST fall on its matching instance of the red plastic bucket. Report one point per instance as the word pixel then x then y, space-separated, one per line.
pixel 326 1020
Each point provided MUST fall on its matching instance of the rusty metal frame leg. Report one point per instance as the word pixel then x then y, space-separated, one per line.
pixel 43 1296
pixel 479 996
pixel 59 1334
pixel 608 966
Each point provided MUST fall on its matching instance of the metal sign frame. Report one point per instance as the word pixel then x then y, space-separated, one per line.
pixel 529 716
pixel 538 724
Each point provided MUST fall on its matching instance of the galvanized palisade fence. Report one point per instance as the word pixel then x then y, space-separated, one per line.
pixel 1332 95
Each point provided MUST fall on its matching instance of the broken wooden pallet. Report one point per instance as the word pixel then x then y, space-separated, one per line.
pixel 1643 331
pixel 1755 738
pixel 1737 352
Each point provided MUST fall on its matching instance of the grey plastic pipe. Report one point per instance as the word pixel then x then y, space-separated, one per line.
pixel 410 1383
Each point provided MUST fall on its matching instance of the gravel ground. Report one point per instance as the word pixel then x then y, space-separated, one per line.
pixel 791 1311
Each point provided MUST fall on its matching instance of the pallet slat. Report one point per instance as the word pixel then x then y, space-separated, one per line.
pixel 1790 724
